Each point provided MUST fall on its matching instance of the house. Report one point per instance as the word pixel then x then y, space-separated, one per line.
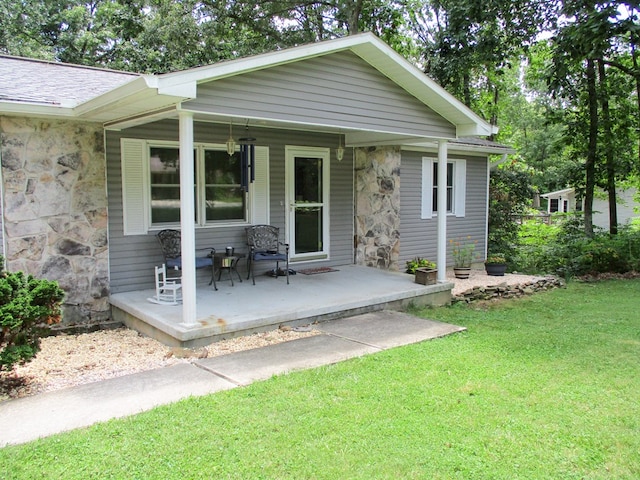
pixel 92 165
pixel 563 201
pixel 628 206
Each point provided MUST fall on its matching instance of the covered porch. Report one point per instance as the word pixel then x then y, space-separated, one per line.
pixel 244 308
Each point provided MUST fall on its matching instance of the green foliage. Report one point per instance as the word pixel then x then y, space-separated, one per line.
pixel 567 251
pixel 418 262
pixel 463 252
pixel 510 194
pixel 495 258
pixel 28 306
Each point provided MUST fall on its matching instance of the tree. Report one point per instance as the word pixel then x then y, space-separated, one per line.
pixel 510 194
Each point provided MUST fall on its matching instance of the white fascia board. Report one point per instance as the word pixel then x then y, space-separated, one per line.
pixel 137 86
pixel 35 110
pixel 371 138
pixel 459 148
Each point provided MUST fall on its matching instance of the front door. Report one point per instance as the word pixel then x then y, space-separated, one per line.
pixel 307 179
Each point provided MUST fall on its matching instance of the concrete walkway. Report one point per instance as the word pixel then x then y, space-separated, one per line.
pixel 26 419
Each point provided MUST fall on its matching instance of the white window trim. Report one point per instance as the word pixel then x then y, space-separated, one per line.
pixel 459 187
pixel 136 187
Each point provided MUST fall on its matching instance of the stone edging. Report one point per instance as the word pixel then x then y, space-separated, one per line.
pixel 503 290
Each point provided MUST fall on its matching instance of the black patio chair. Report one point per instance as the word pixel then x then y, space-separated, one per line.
pixel 170 244
pixel 264 246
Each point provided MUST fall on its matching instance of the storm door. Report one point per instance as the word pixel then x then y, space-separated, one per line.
pixel 307 178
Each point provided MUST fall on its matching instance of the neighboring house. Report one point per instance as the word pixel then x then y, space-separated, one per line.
pixel 563 201
pixel 628 207
pixel 91 165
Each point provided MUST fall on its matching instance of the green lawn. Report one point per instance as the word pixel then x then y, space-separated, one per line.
pixel 545 387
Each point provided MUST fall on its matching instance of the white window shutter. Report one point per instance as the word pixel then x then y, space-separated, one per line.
pixel 259 189
pixel 427 188
pixel 135 179
pixel 460 187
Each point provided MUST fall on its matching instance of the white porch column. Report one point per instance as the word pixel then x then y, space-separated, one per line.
pixel 441 258
pixel 187 223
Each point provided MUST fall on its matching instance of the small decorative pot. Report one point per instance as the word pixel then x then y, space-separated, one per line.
pixel 462 272
pixel 426 276
pixel 495 269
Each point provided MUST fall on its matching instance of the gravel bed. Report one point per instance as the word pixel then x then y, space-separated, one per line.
pixel 69 360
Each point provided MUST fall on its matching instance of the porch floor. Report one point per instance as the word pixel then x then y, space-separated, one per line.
pixel 244 308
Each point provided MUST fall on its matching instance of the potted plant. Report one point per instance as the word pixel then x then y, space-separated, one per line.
pixel 424 270
pixel 463 254
pixel 496 264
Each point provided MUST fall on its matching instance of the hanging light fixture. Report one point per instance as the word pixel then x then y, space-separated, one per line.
pixel 231 144
pixel 340 149
pixel 247 159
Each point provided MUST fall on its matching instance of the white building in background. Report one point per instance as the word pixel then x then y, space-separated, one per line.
pixel 565 201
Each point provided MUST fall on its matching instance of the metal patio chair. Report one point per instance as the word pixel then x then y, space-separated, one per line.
pixel 170 244
pixel 264 246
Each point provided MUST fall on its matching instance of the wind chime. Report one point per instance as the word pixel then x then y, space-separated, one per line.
pixel 247 156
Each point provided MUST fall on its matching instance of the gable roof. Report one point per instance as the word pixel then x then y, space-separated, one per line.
pixel 558 193
pixel 111 97
pixel 39 82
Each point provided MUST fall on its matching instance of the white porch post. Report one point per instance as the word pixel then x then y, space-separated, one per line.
pixel 187 223
pixel 441 258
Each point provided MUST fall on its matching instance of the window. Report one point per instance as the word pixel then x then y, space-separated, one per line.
pixel 221 197
pixel 449 187
pixel 151 186
pixel 456 187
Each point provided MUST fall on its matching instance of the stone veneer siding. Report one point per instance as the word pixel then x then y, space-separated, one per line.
pixel 377 174
pixel 55 210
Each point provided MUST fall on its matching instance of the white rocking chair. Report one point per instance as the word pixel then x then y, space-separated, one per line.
pixel 168 291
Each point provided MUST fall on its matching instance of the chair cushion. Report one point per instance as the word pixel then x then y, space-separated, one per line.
pixel 274 257
pixel 201 262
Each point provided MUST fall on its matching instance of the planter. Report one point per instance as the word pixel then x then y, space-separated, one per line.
pixel 426 276
pixel 462 272
pixel 495 269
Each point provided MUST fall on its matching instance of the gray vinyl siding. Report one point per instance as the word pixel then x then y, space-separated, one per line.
pixel 132 257
pixel 339 90
pixel 418 237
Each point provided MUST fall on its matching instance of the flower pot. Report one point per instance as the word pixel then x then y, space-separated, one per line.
pixel 426 276
pixel 462 272
pixel 495 269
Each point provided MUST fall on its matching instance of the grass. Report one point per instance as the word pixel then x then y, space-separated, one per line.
pixel 543 387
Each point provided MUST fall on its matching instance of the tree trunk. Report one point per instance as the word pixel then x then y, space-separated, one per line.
pixel 590 164
pixel 608 147
pixel 634 56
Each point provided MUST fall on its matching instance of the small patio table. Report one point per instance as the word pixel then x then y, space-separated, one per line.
pixel 222 261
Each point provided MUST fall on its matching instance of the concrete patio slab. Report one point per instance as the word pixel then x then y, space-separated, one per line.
pixel 387 329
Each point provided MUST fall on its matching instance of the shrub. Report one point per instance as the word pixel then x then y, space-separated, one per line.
pixel 28 307
pixel 565 249
pixel 418 262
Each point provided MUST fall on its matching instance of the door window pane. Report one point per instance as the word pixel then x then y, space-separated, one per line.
pixel 308 178
pixel 308 227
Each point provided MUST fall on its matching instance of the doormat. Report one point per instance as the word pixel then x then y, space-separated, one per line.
pixel 313 271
